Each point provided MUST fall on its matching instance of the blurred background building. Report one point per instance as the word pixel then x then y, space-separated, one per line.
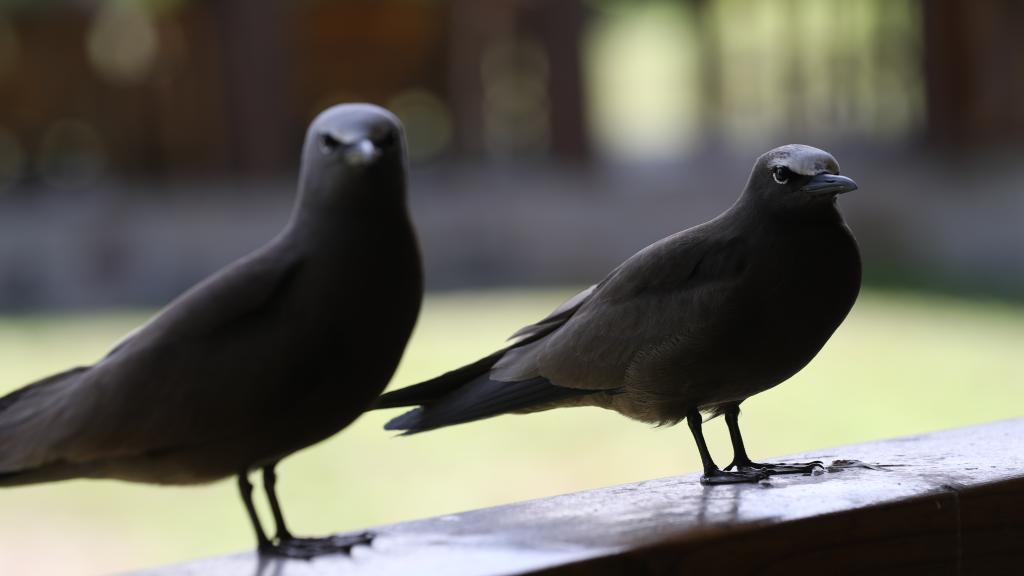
pixel 145 143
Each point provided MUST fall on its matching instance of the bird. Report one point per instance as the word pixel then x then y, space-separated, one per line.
pixel 275 352
pixel 689 326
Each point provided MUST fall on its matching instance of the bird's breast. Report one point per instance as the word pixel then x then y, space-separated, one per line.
pixel 346 341
pixel 798 297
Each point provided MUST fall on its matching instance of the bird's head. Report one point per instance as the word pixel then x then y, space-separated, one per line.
pixel 796 176
pixel 352 144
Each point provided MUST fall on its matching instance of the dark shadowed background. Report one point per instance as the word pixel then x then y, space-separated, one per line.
pixel 146 143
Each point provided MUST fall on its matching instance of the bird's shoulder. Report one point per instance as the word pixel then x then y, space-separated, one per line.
pixel 706 254
pixel 556 318
pixel 244 287
pixel 668 264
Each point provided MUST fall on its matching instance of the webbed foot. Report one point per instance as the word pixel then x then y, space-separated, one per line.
pixel 308 548
pixel 779 468
pixel 716 477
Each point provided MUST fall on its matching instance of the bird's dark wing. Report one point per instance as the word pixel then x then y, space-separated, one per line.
pixel 243 288
pixel 184 379
pixel 668 293
pixel 558 316
pixel 641 302
pixel 20 410
pixel 39 386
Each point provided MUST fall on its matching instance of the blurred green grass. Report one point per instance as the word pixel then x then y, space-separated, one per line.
pixel 901 364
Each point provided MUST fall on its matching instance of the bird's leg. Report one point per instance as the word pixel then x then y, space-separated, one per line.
pixel 245 488
pixel 712 474
pixel 287 545
pixel 270 486
pixel 740 460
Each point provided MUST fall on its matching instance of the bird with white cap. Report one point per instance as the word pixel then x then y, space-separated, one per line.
pixel 693 324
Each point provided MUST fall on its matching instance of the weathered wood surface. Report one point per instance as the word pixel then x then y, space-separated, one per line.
pixel 944 503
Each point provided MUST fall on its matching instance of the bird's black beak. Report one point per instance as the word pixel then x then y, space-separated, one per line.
pixel 823 184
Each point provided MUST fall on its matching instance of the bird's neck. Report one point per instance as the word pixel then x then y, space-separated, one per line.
pixel 758 213
pixel 326 208
pixel 345 221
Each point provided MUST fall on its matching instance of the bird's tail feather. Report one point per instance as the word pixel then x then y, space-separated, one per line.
pixel 481 398
pixel 435 388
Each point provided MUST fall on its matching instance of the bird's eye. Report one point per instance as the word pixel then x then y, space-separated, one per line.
pixel 328 143
pixel 781 174
pixel 386 139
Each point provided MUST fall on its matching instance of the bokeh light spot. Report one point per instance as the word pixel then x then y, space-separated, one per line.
pixel 123 42
pixel 516 104
pixel 427 120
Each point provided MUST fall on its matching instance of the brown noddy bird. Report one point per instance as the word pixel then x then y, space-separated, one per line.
pixel 277 351
pixel 694 323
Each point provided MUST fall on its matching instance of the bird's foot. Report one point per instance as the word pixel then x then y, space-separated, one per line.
pixel 716 477
pixel 308 548
pixel 779 468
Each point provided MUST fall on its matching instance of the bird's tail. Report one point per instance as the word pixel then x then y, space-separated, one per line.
pixel 435 388
pixel 24 419
pixel 466 394
pixel 469 393
pixel 482 398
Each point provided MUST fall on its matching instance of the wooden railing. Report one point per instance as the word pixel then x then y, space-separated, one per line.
pixel 943 503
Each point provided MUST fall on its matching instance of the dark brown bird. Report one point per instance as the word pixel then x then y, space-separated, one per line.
pixel 697 322
pixel 275 352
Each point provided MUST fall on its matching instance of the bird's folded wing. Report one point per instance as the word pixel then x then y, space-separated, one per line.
pixel 557 317
pixel 191 376
pixel 668 292
pixel 660 298
pixel 244 287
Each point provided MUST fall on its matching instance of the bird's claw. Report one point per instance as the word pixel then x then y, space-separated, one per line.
pixel 779 468
pixel 716 477
pixel 308 548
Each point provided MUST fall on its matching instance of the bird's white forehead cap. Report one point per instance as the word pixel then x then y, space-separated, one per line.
pixel 350 123
pixel 801 159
